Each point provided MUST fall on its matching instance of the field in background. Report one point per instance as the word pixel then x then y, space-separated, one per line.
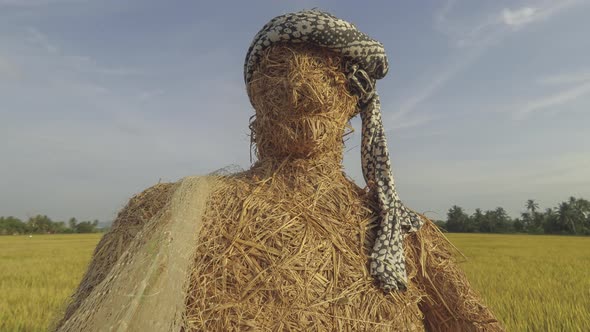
pixel 533 283
pixel 37 274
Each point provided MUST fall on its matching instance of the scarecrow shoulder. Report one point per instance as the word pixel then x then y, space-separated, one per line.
pixel 140 208
pixel 451 304
pixel 143 206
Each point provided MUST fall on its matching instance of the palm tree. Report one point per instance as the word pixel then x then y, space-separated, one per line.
pixel 566 214
pixel 550 221
pixel 532 206
pixel 530 218
pixel 579 211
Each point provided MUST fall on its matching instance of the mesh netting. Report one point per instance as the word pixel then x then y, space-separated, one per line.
pixel 145 289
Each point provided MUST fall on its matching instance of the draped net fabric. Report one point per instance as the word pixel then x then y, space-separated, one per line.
pixel 146 289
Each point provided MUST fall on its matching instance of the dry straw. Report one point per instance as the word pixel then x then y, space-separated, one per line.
pixel 284 245
pixel 302 104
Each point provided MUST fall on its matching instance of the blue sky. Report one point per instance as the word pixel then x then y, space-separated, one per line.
pixel 486 103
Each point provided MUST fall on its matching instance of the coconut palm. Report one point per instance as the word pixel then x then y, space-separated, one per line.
pixel 532 206
pixel 567 216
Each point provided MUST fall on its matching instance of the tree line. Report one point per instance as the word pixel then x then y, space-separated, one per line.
pixel 41 224
pixel 571 217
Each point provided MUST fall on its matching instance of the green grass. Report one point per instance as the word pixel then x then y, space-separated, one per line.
pixel 532 283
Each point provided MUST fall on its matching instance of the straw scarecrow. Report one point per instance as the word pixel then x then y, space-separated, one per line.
pixel 292 243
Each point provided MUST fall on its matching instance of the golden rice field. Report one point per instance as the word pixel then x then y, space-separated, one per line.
pixel 533 283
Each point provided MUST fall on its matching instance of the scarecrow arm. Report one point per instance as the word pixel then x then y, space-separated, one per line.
pixel 130 220
pixel 451 304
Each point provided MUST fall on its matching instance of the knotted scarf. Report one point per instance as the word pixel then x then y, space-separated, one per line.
pixel 366 62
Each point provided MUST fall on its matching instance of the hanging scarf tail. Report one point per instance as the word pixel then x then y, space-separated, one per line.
pixel 387 264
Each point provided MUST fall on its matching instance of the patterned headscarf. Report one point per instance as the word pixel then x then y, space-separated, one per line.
pixel 366 62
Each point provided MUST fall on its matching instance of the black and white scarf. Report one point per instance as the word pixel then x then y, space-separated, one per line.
pixel 366 63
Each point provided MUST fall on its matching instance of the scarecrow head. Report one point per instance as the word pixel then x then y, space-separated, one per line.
pixel 303 103
pixel 307 74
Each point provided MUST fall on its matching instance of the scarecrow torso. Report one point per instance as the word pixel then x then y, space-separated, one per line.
pixel 289 252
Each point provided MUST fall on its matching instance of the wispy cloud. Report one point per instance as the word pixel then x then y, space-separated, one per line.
pixel 578 85
pixel 570 78
pixel 434 84
pixel 496 21
pixel 80 63
pixel 462 34
pixel 470 51
pixel 522 16
pixel 441 20
pixel 558 99
pixel 413 101
pixel 40 39
pixel 519 16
